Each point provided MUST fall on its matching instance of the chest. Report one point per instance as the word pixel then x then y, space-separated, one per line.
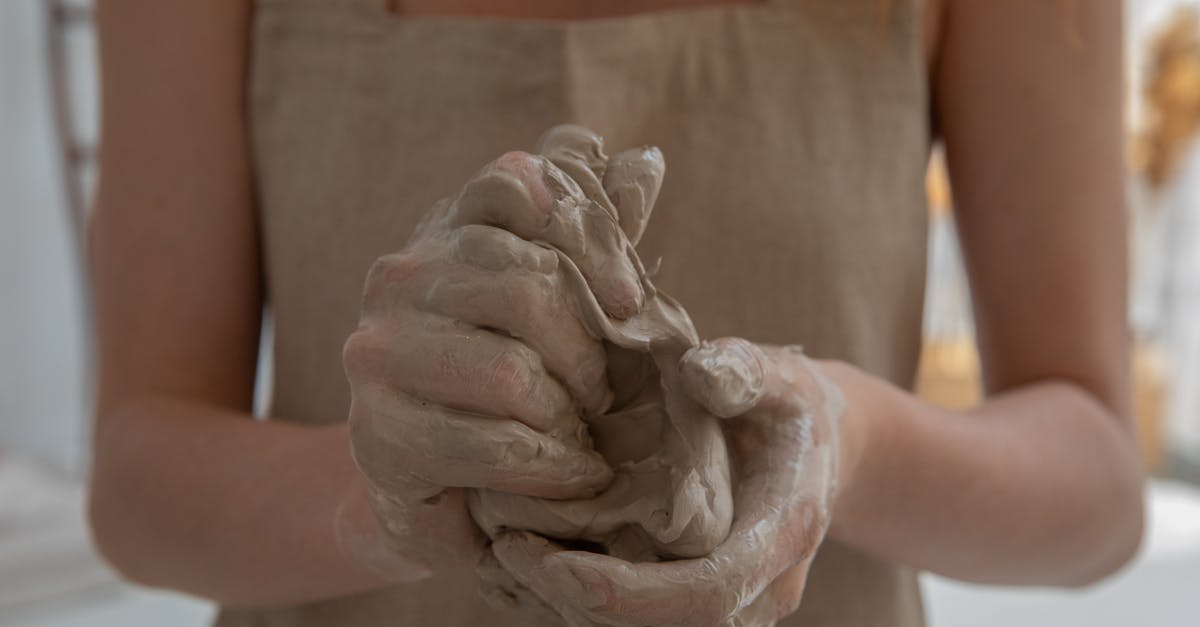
pixel 930 12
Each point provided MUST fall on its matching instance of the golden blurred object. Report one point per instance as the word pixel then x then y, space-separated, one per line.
pixel 949 373
pixel 1172 97
pixel 1149 396
pixel 937 185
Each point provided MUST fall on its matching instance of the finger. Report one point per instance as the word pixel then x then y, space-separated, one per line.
pixel 770 535
pixel 535 200
pixel 527 558
pixel 606 590
pixel 449 363
pixel 501 591
pixel 632 181
pixel 399 441
pixel 727 376
pixel 578 152
pixel 509 284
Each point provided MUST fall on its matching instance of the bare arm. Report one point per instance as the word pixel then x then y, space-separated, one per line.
pixel 188 491
pixel 1041 484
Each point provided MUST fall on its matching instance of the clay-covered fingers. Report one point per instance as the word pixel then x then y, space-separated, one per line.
pixel 535 200
pixel 632 181
pixel 402 442
pixel 627 184
pixel 728 376
pixel 448 363
pixel 531 561
pixel 588 588
pixel 501 591
pixel 496 280
pixel 579 152
pixel 732 377
pixel 781 505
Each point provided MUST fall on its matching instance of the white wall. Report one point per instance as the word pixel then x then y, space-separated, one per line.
pixel 42 399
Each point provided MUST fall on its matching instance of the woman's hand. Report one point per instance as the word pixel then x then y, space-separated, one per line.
pixel 470 367
pixel 783 433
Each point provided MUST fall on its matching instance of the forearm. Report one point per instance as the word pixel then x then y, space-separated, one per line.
pixel 1039 485
pixel 211 502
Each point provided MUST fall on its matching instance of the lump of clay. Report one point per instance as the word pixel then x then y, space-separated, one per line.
pixel 670 497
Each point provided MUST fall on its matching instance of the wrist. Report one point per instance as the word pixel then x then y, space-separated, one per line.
pixel 854 431
pixel 360 538
pixel 359 535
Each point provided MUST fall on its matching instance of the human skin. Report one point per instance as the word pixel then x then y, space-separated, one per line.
pixel 502 292
pixel 1040 484
pixel 669 492
pixel 782 417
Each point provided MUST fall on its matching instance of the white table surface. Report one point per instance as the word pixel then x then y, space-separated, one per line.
pixel 1161 588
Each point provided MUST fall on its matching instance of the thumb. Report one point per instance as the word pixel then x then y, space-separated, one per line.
pixel 727 375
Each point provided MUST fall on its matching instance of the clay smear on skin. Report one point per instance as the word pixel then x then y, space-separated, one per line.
pixel 670 495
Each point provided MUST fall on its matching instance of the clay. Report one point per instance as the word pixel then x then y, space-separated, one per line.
pixel 670 492
pixel 785 449
pixel 517 377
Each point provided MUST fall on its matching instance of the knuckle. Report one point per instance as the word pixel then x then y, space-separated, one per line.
pixel 526 167
pixel 512 374
pixel 389 271
pixel 496 249
pixel 516 447
pixel 508 192
pixel 514 158
pixel 541 260
pixel 485 247
pixel 529 298
pixel 478 244
pixel 361 355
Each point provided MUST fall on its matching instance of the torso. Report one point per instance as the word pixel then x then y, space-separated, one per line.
pixel 931 12
pixel 795 134
pixel 545 9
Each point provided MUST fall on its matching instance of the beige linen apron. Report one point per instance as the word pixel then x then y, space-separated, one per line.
pixel 795 135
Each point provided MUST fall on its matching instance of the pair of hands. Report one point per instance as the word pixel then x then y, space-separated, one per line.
pixel 783 444
pixel 471 369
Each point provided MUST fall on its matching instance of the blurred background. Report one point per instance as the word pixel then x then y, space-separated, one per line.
pixel 49 575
